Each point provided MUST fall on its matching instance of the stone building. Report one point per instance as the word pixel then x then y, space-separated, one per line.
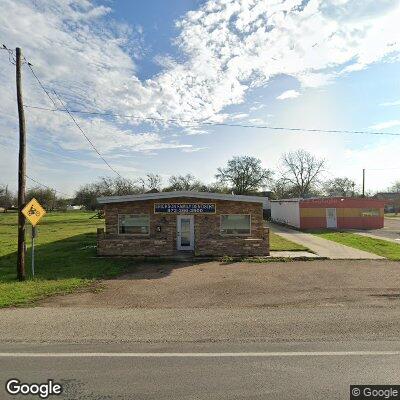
pixel 168 223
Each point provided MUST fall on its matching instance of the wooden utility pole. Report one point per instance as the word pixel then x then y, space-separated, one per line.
pixel 363 184
pixel 21 171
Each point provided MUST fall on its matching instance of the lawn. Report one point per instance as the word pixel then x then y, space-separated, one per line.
pixel 383 248
pixel 278 243
pixel 392 215
pixel 64 257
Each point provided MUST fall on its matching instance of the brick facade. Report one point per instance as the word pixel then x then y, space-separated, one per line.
pixel 208 241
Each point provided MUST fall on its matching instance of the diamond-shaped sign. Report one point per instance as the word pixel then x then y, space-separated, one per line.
pixel 33 212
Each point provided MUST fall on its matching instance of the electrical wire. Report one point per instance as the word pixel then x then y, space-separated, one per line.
pixel 48 187
pixel 86 137
pixel 195 123
pixel 41 85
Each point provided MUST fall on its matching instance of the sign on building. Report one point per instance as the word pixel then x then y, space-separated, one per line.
pixel 184 208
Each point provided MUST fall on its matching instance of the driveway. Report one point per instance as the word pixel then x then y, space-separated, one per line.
pixel 390 231
pixel 237 285
pixel 322 247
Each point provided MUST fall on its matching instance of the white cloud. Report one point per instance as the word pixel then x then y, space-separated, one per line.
pixel 289 94
pixel 391 103
pixel 386 125
pixel 228 47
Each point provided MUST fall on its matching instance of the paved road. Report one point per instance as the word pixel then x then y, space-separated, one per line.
pixel 322 247
pixel 390 231
pixel 271 371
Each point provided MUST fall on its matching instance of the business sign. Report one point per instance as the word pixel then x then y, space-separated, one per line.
pixel 33 212
pixel 184 208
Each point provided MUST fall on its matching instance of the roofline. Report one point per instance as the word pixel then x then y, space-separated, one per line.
pixel 169 195
pixel 327 198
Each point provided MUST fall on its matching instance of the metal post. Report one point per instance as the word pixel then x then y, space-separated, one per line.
pixel 363 183
pixel 33 250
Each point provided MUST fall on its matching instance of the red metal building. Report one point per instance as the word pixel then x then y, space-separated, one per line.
pixel 332 213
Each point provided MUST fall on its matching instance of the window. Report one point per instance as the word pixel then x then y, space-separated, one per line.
pixel 370 212
pixel 235 224
pixel 133 224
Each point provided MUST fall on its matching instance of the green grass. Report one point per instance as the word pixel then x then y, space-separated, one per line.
pixel 278 243
pixel 392 215
pixel 380 247
pixel 65 257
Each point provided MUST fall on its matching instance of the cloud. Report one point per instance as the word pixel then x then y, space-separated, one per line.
pixel 386 125
pixel 289 94
pixel 226 48
pixel 391 103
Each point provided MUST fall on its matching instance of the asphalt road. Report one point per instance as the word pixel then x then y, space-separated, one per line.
pixel 254 371
pixel 391 230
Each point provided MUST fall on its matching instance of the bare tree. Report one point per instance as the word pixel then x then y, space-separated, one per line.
pixel 184 183
pixel 244 175
pixel 344 187
pixel 87 195
pixel 395 187
pixel 151 182
pixel 300 171
pixel 6 197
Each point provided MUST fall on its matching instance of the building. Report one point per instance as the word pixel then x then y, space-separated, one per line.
pixel 392 201
pixel 332 213
pixel 168 223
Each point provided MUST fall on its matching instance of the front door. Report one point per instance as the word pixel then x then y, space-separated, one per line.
pixel 331 219
pixel 185 232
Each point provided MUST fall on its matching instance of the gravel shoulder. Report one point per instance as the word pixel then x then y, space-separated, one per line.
pixel 273 284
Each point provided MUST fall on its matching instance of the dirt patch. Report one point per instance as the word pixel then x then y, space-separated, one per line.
pixel 212 284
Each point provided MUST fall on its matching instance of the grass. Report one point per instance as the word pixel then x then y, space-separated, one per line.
pixel 380 247
pixel 278 243
pixel 392 215
pixel 64 257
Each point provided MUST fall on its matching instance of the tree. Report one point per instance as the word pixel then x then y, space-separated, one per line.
pixel 6 197
pixel 395 187
pixel 343 187
pixel 152 182
pixel 45 196
pixel 184 183
pixel 244 174
pixel 87 194
pixel 300 172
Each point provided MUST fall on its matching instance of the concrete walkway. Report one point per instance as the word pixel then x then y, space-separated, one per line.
pixel 322 247
pixel 293 254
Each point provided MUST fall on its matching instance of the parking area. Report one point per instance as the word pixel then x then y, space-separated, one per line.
pixel 274 284
pixel 391 230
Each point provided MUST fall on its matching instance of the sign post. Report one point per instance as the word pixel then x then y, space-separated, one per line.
pixel 33 212
pixel 34 233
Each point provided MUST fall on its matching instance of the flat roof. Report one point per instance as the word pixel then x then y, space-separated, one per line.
pixel 170 195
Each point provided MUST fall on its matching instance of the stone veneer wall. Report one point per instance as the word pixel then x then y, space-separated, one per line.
pixel 208 239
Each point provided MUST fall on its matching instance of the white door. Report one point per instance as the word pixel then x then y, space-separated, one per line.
pixel 331 219
pixel 185 232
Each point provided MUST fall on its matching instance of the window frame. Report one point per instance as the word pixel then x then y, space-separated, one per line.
pixel 133 234
pixel 234 234
pixel 370 212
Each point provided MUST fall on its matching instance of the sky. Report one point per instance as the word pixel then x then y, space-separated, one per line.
pixel 315 64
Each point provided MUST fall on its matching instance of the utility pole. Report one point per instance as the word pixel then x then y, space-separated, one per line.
pixel 363 183
pixel 21 171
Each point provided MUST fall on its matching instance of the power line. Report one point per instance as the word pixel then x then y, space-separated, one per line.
pixel 86 137
pixel 48 187
pixel 40 83
pixel 199 122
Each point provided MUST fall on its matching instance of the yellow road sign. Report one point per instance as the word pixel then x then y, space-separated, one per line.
pixel 33 212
